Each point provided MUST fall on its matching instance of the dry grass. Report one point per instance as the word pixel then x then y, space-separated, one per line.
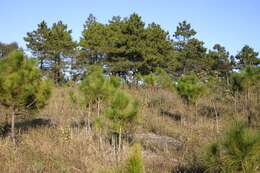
pixel 51 150
pixel 64 148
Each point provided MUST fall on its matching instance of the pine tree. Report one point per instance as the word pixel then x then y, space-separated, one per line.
pixel 52 46
pixel 21 86
pixel 220 65
pixel 125 44
pixel 37 42
pixel 5 49
pixel 97 90
pixel 247 57
pixel 60 46
pixel 159 79
pixel 184 32
pixel 190 52
pixel 92 42
pixel 157 50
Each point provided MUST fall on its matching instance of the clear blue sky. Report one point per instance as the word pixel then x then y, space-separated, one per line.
pixel 232 23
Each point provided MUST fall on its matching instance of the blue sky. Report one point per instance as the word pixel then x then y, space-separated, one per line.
pixel 232 23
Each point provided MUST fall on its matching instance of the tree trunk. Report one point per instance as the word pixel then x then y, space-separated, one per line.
pixel 6 118
pixel 113 143
pixel 41 64
pixel 100 140
pixel 59 69
pixel 98 107
pixel 258 95
pixel 55 71
pixel 120 139
pixel 13 126
pixel 227 79
pixel 196 111
pixel 216 118
pixel 236 102
pixel 248 111
pixel 89 114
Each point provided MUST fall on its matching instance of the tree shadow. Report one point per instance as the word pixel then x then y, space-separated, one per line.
pixel 23 126
pixel 189 169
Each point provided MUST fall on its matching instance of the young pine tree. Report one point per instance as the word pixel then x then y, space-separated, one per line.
pixel 21 86
pixel 122 114
pixel 165 81
pixel 151 80
pixel 95 91
pixel 96 88
pixel 190 87
pixel 237 152
pixel 135 161
pixel 246 82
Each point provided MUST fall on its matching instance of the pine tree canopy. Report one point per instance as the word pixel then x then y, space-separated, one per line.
pixel 21 83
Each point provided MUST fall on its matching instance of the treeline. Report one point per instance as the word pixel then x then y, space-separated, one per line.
pixel 125 45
